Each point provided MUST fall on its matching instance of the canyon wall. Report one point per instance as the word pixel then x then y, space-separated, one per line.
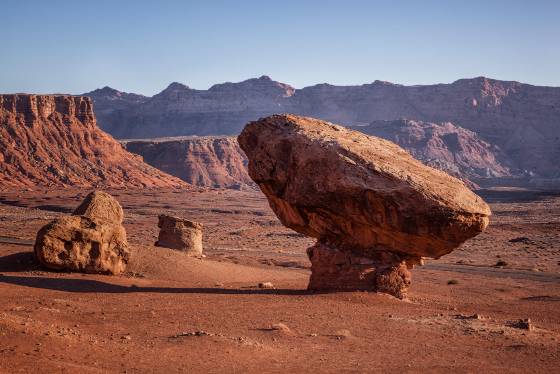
pixel 522 120
pixel 215 162
pixel 445 146
pixel 53 140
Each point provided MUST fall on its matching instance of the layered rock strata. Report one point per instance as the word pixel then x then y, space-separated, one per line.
pixel 53 140
pixel 213 162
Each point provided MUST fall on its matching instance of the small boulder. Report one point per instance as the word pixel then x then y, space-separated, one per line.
pixel 101 206
pixel 266 285
pixel 181 234
pixel 91 240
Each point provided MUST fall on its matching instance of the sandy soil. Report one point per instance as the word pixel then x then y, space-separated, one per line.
pixel 172 313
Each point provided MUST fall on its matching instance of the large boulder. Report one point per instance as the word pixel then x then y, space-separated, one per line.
pixel 91 240
pixel 374 209
pixel 180 233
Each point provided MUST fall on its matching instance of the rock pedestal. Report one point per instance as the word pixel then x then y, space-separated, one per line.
pixel 91 240
pixel 334 269
pixel 181 234
pixel 373 208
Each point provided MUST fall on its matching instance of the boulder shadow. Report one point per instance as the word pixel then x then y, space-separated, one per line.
pixel 21 261
pixel 95 286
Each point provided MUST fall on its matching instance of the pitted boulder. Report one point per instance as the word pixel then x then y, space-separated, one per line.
pixel 362 197
pixel 91 240
pixel 181 234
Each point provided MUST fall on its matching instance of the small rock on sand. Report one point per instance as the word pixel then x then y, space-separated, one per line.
pixel 281 327
pixel 266 285
pixel 524 324
pixel 343 333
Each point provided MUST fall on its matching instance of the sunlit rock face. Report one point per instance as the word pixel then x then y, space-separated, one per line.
pixel 374 209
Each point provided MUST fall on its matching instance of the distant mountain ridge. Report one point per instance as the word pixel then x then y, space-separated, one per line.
pixel 522 120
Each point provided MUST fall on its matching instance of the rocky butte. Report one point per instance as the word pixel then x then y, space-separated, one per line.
pixel 374 209
pixel 54 140
pixel 207 161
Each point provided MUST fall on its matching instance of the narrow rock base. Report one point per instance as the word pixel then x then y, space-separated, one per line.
pixel 336 270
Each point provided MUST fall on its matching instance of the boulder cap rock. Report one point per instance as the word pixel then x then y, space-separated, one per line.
pixel 358 192
pixel 102 206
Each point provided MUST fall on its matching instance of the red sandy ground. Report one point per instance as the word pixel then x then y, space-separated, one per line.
pixel 75 323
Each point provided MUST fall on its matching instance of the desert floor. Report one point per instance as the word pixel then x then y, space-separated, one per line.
pixel 173 313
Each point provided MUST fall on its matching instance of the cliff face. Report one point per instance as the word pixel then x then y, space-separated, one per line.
pixel 521 119
pixel 457 151
pixel 202 161
pixel 54 140
pixel 179 110
pixel 112 105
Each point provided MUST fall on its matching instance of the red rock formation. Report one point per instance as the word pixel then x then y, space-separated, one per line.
pixel 373 208
pixel 202 161
pixel 54 140
pixel 91 240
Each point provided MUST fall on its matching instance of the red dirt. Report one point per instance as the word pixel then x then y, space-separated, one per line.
pixel 75 323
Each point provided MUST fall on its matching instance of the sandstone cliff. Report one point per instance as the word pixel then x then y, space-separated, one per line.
pixel 521 119
pixel 453 149
pixel 202 161
pixel 54 140
pixel 179 110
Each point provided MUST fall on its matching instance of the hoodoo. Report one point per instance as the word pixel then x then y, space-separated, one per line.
pixel 374 209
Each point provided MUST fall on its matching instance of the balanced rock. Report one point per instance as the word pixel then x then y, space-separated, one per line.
pixel 179 233
pixel 374 209
pixel 91 240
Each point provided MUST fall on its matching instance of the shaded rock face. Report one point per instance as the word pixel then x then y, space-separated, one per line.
pixel 445 146
pixel 334 269
pixel 215 162
pixel 179 233
pixel 359 195
pixel 91 240
pixel 112 105
pixel 180 110
pixel 53 140
pixel 520 119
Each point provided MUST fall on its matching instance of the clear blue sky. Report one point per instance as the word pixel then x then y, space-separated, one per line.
pixel 142 46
